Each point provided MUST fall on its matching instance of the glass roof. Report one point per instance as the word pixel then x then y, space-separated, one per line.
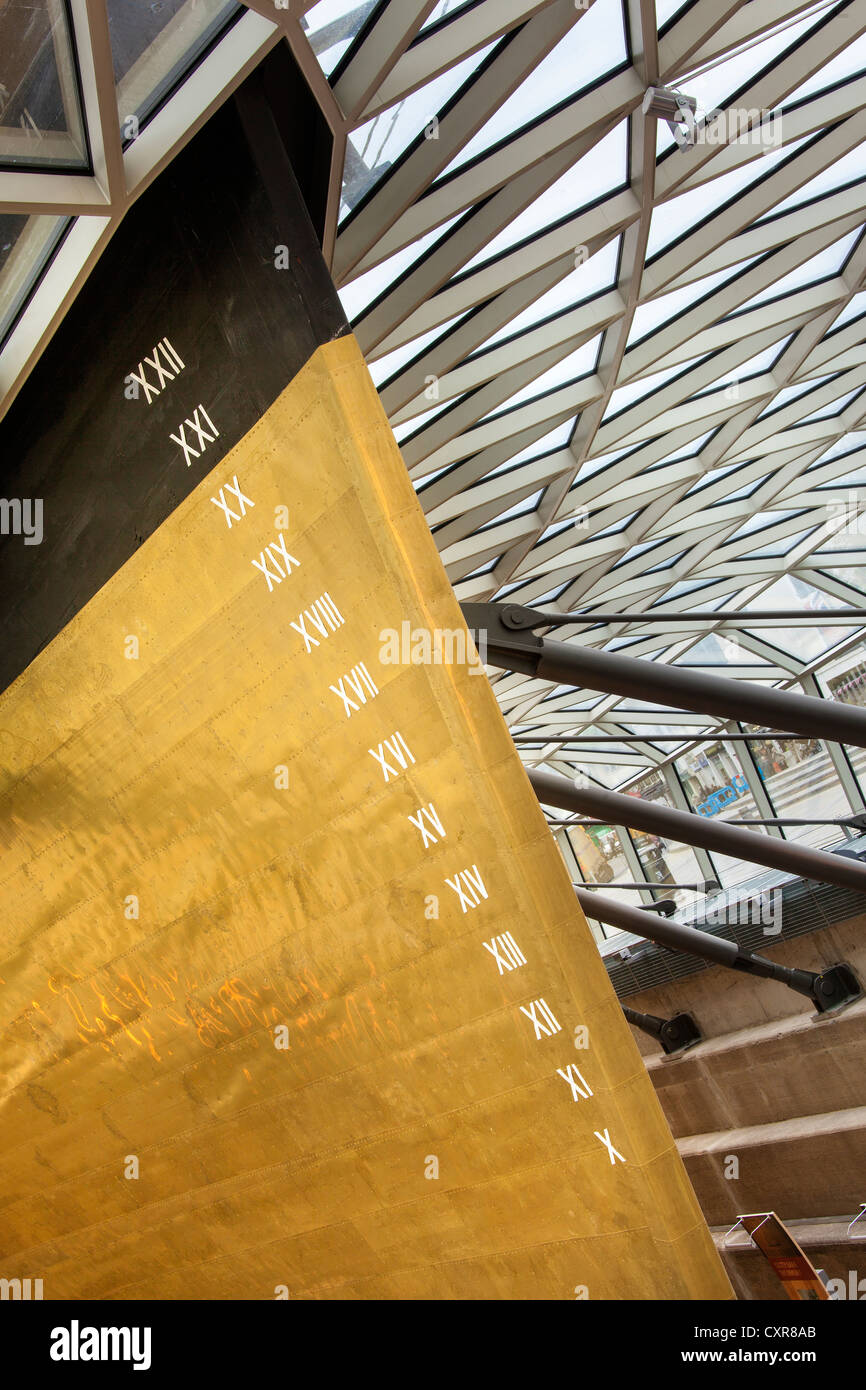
pixel 26 246
pixel 154 45
pixel 625 362
pixel 676 469
pixel 41 124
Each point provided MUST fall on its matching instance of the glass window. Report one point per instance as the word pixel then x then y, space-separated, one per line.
pixel 801 781
pixel 331 27
pixel 594 45
pixel 715 785
pixel 379 142
pixel 40 108
pixel 845 680
pixel 155 45
pixel 26 246
pixel 600 856
pixel 849 685
pixel 665 861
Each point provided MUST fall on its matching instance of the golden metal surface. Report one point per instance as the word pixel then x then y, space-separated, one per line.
pixel 218 785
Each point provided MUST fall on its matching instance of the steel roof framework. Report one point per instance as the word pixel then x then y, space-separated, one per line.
pixel 649 395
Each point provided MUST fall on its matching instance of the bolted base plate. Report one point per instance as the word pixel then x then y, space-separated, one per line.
pixel 835 987
pixel 678 1033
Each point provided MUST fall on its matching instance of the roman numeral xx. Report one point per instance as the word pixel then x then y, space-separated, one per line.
pixel 243 502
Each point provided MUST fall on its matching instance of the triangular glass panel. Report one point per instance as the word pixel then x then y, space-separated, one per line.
pixel 853 309
pixel 589 278
pixel 379 142
pixel 682 215
pixel 827 262
pixel 852 59
pixel 655 312
pixel 331 26
pixel 357 295
pixel 382 369
pixel 594 46
pixel 849 168
pixel 835 408
pixel 791 393
pixel 638 390
pixel 579 363
pixel 600 172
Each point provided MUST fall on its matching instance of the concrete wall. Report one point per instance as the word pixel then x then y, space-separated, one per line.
pixel 779 1089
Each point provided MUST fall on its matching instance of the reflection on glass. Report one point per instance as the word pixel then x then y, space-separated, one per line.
pixel 847 681
pixel 665 861
pixel 446 9
pixel 593 47
pixel 155 45
pixel 601 859
pixel 331 27
pixel 713 778
pixel 40 109
pixel 375 146
pixel 715 785
pixel 800 780
pixel 793 594
pixel 26 246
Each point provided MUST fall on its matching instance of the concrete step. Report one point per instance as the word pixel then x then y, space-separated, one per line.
pixel 778 1070
pixel 813 1163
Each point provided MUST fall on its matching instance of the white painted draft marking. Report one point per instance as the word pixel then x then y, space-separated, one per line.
pixel 322 615
pixel 234 488
pixel 580 1087
pixel 164 373
pixel 469 887
pixel 431 815
pixel 274 553
pixel 204 438
pixel 611 1151
pixel 543 1021
pixel 506 952
pixel 362 685
pixel 398 748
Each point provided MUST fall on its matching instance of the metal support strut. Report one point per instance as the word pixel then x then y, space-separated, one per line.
pixel 504 637
pixel 613 808
pixel 675 1034
pixel 829 990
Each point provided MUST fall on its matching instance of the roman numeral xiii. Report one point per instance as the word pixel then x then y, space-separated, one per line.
pixel 506 952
